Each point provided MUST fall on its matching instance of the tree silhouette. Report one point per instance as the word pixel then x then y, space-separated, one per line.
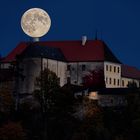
pixel 132 84
pixel 6 100
pixel 95 79
pixel 12 131
pixel 56 104
pixel 47 85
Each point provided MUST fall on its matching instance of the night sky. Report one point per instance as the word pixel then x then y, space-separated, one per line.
pixel 117 22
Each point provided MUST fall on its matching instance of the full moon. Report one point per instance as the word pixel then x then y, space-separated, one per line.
pixel 35 22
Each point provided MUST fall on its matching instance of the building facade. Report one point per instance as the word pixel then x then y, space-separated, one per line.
pixel 71 61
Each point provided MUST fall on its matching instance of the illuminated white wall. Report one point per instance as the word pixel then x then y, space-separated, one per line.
pixel 32 67
pixel 112 73
pixel 78 70
pixel 58 67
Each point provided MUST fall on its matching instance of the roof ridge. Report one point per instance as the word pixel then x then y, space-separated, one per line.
pixel 94 50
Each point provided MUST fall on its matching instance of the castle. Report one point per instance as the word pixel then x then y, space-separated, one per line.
pixel 71 61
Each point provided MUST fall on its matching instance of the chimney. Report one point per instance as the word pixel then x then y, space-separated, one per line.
pixel 35 39
pixel 84 39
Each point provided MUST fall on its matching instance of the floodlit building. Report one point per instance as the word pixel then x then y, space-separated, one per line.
pixel 71 61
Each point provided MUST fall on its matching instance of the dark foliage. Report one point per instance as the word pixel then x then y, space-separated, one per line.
pixel 53 113
pixel 95 79
pixel 12 131
pixel 132 84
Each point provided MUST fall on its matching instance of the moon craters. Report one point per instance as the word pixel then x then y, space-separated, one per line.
pixel 35 22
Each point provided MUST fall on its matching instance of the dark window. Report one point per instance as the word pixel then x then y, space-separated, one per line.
pixel 114 69
pixel 106 67
pixel 114 81
pixel 73 69
pixel 118 82
pixel 118 70
pixel 110 68
pixel 83 80
pixel 68 67
pixel 68 80
pixel 109 80
pixel 83 67
pixel 123 83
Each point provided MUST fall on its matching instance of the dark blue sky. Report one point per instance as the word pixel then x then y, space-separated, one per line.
pixel 117 20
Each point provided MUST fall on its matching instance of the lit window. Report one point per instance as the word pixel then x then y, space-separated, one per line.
pixel 106 67
pixel 114 69
pixel 83 67
pixel 93 95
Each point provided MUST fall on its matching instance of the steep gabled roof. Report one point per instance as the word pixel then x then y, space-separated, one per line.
pixel 130 72
pixel 16 51
pixel 72 51
pixel 109 56
pixel 93 50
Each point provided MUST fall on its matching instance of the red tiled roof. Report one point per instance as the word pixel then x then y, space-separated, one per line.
pixel 130 72
pixel 73 51
pixel 17 51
